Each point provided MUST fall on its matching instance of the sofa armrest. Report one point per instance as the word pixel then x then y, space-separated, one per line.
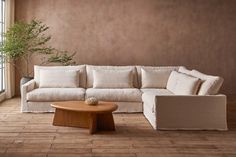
pixel 191 112
pixel 28 86
pixel 25 88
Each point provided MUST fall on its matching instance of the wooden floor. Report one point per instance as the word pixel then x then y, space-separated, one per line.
pixel 27 134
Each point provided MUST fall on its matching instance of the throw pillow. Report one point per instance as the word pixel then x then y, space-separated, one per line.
pixel 210 85
pixel 182 84
pixel 184 70
pixel 154 78
pixel 112 79
pixel 59 79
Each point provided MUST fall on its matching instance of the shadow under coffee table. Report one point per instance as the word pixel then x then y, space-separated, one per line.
pixel 79 114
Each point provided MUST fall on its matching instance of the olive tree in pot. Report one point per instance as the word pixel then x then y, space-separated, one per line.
pixel 25 40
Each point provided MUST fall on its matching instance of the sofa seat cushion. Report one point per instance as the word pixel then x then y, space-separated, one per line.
pixel 149 97
pixel 156 91
pixel 55 94
pixel 125 95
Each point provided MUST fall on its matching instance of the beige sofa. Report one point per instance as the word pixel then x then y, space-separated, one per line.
pixel 170 97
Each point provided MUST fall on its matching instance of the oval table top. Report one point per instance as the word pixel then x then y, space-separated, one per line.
pixel 80 106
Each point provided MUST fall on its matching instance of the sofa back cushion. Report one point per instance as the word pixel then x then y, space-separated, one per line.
pixel 210 85
pixel 154 78
pixel 80 68
pixel 112 79
pixel 184 70
pixel 154 69
pixel 90 68
pixel 59 79
pixel 182 84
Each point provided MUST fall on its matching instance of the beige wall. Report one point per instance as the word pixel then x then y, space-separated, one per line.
pixel 199 34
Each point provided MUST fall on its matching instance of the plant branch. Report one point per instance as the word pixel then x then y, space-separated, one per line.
pixel 23 40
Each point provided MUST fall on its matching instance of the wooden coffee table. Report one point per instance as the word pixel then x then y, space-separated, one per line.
pixel 79 114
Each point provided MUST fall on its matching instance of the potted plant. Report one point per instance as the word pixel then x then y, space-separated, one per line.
pixel 23 40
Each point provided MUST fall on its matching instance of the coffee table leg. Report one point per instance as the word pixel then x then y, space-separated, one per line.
pixel 93 124
pixel 71 118
pixel 105 122
pixel 101 122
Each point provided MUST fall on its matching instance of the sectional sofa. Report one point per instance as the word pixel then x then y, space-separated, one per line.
pixel 170 97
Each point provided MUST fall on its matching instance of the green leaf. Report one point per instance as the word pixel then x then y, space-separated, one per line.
pixel 24 39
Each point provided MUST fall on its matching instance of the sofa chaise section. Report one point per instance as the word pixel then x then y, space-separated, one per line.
pixel 182 105
pixel 189 112
pixel 149 103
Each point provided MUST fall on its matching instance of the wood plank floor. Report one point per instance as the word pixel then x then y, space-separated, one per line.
pixel 32 135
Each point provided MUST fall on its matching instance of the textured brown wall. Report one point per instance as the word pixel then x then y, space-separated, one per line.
pixel 199 34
